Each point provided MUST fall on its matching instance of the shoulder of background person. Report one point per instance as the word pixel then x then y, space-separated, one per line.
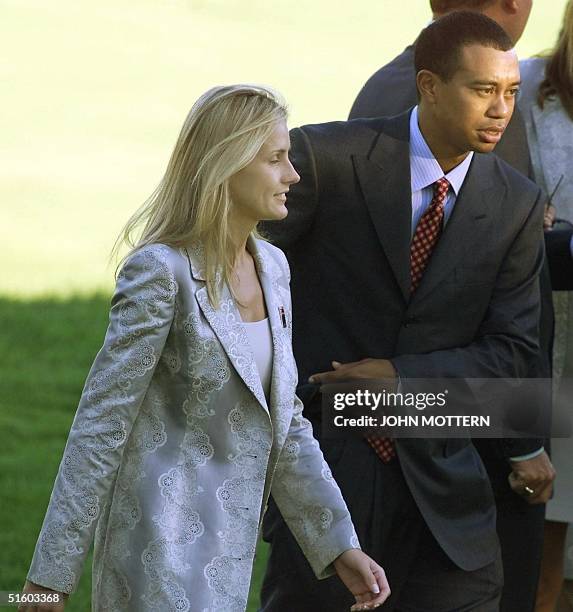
pixel 532 66
pixel 390 90
pixel 532 72
pixel 403 60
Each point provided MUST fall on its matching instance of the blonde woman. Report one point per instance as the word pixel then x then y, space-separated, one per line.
pixel 546 102
pixel 189 419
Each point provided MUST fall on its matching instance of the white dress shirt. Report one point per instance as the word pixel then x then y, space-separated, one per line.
pixel 425 171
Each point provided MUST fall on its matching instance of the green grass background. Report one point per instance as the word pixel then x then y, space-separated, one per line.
pixel 92 97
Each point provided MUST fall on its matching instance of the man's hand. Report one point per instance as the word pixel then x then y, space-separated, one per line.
pixel 549 217
pixel 533 478
pixel 365 368
pixel 364 578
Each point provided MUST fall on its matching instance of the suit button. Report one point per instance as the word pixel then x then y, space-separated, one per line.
pixel 409 321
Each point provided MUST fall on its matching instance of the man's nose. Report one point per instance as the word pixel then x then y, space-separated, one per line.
pixel 501 107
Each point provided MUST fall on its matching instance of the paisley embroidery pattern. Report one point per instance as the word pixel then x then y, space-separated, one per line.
pixel 174 451
pixel 208 370
pixel 240 498
pixel 164 558
pixel 165 565
pixel 144 296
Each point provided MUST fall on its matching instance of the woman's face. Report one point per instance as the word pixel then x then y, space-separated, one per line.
pixel 259 190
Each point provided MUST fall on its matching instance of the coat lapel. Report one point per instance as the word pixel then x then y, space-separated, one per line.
pixel 282 367
pixel 227 325
pixel 473 213
pixel 553 155
pixel 384 177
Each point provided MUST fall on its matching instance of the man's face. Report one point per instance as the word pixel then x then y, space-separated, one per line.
pixel 473 108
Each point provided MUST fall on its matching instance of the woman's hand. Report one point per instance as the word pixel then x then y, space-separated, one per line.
pixel 364 578
pixel 48 606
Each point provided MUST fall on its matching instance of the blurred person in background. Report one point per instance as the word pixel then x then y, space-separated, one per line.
pixel 546 103
pixel 188 418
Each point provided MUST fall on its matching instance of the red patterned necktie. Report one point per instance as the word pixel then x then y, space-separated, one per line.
pixel 425 239
pixel 427 232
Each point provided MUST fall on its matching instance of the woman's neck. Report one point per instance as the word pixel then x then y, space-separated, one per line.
pixel 240 232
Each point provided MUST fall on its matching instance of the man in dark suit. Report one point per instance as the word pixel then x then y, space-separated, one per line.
pixel 427 514
pixel 391 90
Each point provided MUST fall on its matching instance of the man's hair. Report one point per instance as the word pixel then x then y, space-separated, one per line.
pixel 441 7
pixel 439 46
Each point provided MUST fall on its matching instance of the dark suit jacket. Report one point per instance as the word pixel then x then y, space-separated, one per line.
pixel 392 90
pixel 558 248
pixel 474 314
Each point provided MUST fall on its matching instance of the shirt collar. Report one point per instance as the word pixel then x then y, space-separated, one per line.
pixel 424 169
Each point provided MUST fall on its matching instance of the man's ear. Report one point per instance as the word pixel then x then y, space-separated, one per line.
pixel 427 82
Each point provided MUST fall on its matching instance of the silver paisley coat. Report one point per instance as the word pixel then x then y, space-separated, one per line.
pixel 173 450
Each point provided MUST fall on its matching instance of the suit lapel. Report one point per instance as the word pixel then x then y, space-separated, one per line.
pixel 473 213
pixel 227 325
pixel 384 178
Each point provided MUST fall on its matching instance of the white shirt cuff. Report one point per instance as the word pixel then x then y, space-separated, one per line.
pixel 529 455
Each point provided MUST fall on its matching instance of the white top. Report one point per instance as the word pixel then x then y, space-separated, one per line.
pixel 261 340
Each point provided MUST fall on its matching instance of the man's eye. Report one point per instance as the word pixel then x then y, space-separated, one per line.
pixel 275 161
pixel 486 90
pixel 513 92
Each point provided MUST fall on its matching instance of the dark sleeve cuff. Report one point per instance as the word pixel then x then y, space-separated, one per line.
pixel 516 447
pixel 558 250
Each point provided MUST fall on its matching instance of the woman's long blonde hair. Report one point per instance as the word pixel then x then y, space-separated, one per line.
pixel 559 71
pixel 222 134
